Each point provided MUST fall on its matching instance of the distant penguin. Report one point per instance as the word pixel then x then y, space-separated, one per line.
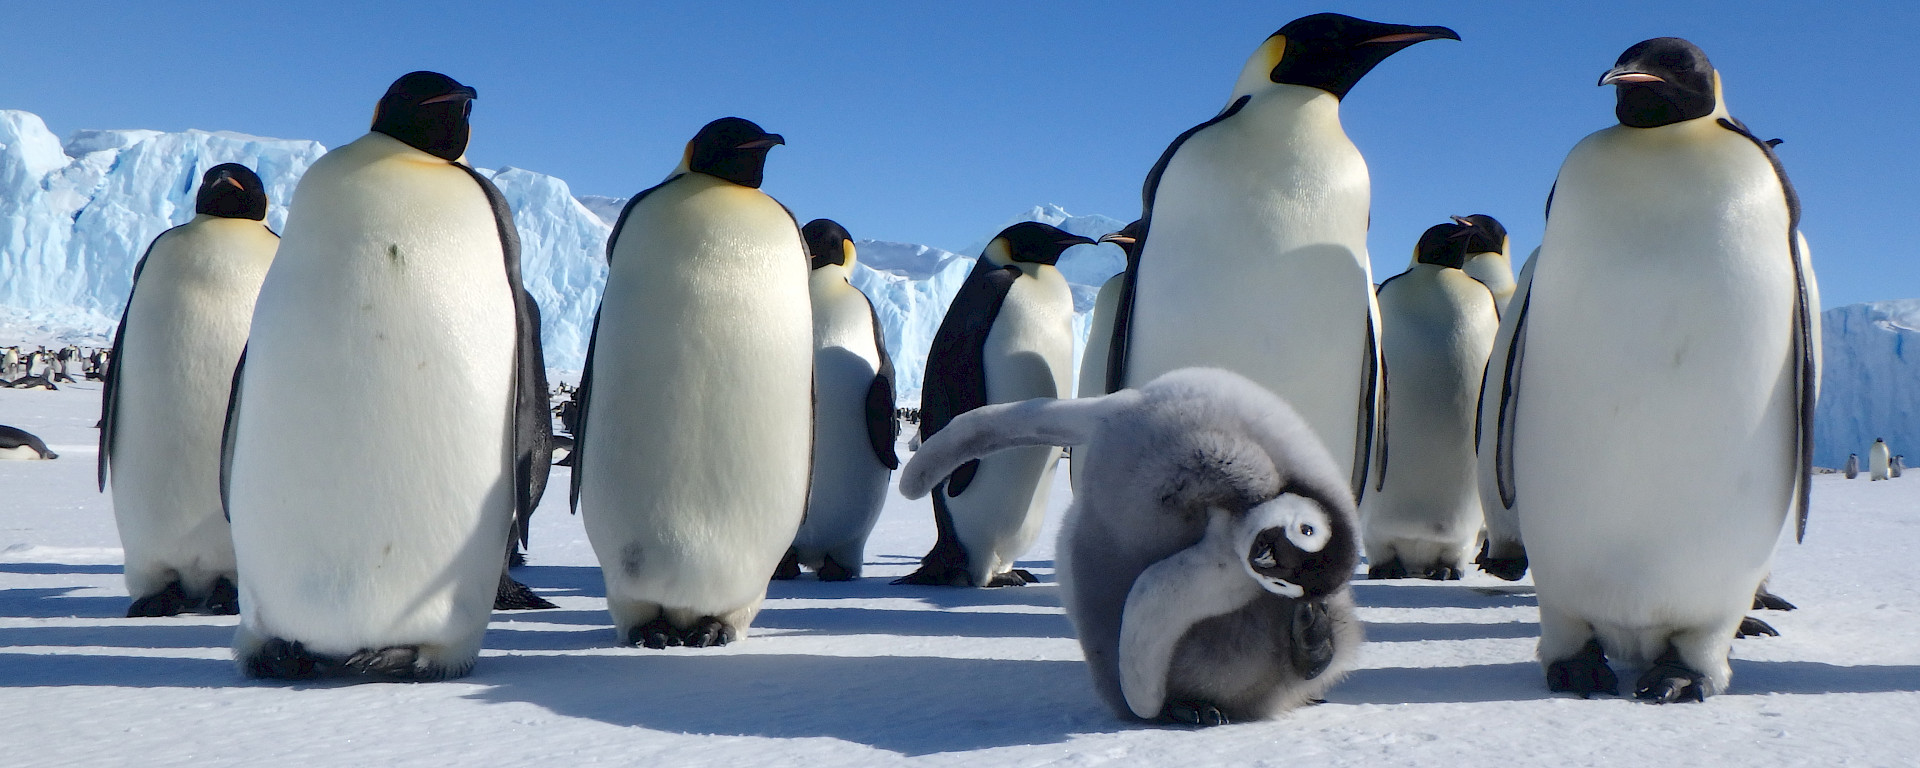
pixel 1093 362
pixel 1488 256
pixel 853 424
pixel 397 255
pixel 20 445
pixel 1852 469
pixel 690 466
pixel 10 364
pixel 1897 465
pixel 1437 325
pixel 1206 564
pixel 1879 461
pixel 1670 313
pixel 165 401
pixel 1007 336
pixel 1255 258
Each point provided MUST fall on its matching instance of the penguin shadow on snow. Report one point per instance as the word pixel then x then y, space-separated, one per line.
pixel 41 569
pixel 61 603
pixel 40 670
pixel 910 705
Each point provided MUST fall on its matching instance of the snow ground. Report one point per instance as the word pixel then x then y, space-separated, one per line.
pixel 870 674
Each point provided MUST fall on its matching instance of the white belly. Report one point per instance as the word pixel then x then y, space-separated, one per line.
pixel 849 483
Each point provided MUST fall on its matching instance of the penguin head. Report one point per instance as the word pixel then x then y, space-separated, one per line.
pixel 733 149
pixel 1486 234
pixel 828 243
pixel 428 111
pixel 1129 238
pixel 1330 51
pixel 1294 547
pixel 1663 81
pixel 232 191
pixel 1444 245
pixel 1031 242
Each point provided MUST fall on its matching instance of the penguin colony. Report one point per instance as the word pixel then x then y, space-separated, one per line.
pixel 736 423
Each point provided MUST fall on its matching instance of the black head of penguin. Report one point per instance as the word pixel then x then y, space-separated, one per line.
pixel 232 191
pixel 1444 245
pixel 429 112
pixel 1128 238
pixel 1316 551
pixel 827 242
pixel 1486 234
pixel 733 149
pixel 1331 51
pixel 1034 243
pixel 1661 81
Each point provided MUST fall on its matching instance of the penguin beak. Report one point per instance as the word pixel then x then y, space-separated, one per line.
pixel 1411 35
pixel 228 179
pixel 1628 77
pixel 768 141
pixel 1117 238
pixel 1461 220
pixel 465 92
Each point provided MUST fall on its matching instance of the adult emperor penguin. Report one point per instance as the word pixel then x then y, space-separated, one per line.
pixel 1487 256
pixel 1007 336
pixel 1255 257
pixel 165 400
pixel 1670 313
pixel 384 563
pixel 1438 324
pixel 1093 361
pixel 853 423
pixel 696 414
pixel 1206 563
pixel 17 444
pixel 1879 461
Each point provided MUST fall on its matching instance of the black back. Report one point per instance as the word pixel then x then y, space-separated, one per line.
pixel 956 379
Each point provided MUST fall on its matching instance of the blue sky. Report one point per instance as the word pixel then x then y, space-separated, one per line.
pixel 936 124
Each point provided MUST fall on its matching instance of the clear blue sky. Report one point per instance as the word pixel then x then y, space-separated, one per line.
pixel 935 124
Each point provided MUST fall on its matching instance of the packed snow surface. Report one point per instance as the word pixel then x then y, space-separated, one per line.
pixel 865 673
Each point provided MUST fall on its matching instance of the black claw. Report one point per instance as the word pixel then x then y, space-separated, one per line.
pixel 1585 673
pixel 1443 573
pixel 169 601
pixel 654 634
pixel 1508 568
pixel 710 633
pixel 789 567
pixel 512 595
pixel 834 571
pixel 283 660
pixel 1752 627
pixel 1768 601
pixel 1391 569
pixel 516 558
pixel 225 598
pixel 1197 713
pixel 1312 635
pixel 1670 680
pixel 400 662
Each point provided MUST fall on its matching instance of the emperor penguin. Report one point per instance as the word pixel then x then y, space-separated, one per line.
pixel 1255 255
pixel 1852 469
pixel 1879 461
pixel 696 413
pixel 1897 465
pixel 1206 564
pixel 1007 336
pixel 853 424
pixel 1670 313
pixel 164 404
pixel 1437 326
pixel 1487 256
pixel 17 444
pixel 1092 381
pixel 384 564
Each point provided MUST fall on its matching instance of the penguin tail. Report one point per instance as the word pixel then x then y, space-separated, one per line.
pixel 990 429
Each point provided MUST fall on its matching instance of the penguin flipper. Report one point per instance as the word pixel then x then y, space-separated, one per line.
pixel 882 428
pixel 1165 601
pixel 582 398
pixel 1509 393
pixel 956 378
pixel 110 389
pixel 228 430
pixel 990 429
pixel 1372 419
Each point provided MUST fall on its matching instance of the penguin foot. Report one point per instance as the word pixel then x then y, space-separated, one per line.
pixel 1508 568
pixel 1752 627
pixel 398 663
pixel 937 575
pixel 169 601
pixel 1670 680
pixel 1391 569
pixel 1017 577
pixel 224 600
pixel 789 567
pixel 1586 673
pixel 654 634
pixel 516 558
pixel 711 632
pixel 512 595
pixel 830 570
pixel 1442 573
pixel 1768 601
pixel 1312 634
pixel 279 659
pixel 1197 713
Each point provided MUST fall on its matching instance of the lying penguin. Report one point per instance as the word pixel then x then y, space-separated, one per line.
pixel 16 443
pixel 1205 562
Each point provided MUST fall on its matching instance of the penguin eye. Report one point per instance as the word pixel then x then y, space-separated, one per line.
pixel 1306 529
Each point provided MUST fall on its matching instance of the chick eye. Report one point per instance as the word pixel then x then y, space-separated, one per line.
pixel 1306 530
